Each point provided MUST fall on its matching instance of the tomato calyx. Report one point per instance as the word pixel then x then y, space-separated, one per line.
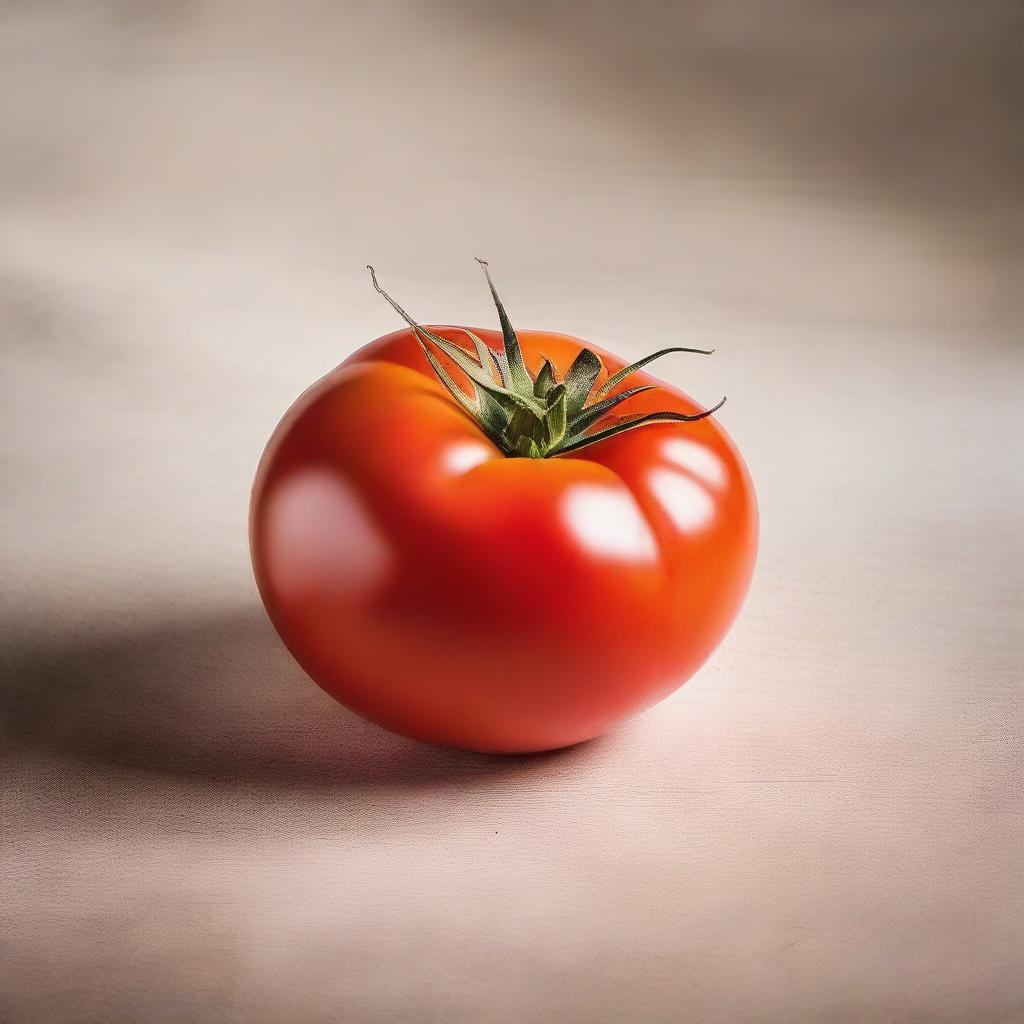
pixel 538 416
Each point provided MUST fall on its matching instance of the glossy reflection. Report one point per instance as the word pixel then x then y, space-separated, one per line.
pixel 609 522
pixel 703 463
pixel 462 456
pixel 320 539
pixel 686 502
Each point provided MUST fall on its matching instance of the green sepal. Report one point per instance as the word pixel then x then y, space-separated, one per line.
pixel 580 379
pixel 523 423
pixel 483 353
pixel 632 424
pixel 592 413
pixel 479 375
pixel 545 379
pixel 518 376
pixel 633 367
pixel 534 418
pixel 557 415
pixel 454 390
pixel 491 409
pixel 500 365
pixel 527 448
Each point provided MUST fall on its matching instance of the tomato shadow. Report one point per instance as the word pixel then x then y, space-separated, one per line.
pixel 218 700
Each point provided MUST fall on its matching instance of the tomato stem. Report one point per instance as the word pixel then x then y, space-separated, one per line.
pixel 536 417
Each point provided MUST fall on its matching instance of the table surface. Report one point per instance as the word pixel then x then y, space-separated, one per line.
pixel 826 822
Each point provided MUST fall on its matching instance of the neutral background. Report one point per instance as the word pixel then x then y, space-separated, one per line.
pixel 826 823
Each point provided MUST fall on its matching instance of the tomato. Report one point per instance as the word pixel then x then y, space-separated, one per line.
pixel 491 591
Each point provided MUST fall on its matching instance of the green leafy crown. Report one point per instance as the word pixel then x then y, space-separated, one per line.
pixel 536 417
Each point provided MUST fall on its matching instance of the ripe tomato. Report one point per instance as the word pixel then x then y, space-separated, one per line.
pixel 455 584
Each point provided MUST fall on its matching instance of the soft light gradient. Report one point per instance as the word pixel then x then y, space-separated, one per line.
pixel 825 824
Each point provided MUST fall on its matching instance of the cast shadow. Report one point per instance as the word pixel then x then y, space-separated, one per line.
pixel 216 700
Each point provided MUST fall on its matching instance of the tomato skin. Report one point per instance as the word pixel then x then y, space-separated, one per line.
pixel 457 596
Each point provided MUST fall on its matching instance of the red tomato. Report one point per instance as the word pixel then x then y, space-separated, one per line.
pixel 452 593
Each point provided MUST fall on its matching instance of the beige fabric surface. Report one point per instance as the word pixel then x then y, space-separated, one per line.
pixel 825 823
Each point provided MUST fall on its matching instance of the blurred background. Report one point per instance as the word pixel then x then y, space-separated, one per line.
pixel 825 824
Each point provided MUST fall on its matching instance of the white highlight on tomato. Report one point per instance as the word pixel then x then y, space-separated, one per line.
pixel 321 539
pixel 686 502
pixel 608 521
pixel 463 456
pixel 693 456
